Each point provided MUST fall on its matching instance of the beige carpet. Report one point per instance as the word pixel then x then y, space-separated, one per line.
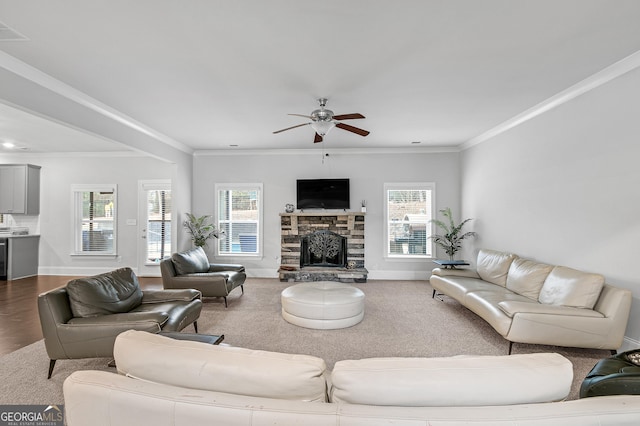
pixel 401 319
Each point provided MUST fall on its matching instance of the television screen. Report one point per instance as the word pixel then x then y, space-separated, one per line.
pixel 322 194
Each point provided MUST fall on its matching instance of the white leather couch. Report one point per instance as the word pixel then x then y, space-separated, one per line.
pixel 164 382
pixel 531 302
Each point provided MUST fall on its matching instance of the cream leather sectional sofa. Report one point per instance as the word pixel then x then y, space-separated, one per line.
pixel 166 382
pixel 531 302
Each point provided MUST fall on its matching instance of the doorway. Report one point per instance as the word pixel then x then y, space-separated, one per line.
pixel 154 213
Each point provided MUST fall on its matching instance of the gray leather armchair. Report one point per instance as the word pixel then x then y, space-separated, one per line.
pixel 83 318
pixel 192 269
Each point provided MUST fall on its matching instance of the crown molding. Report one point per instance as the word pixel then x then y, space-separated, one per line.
pixel 609 73
pixel 336 151
pixel 83 154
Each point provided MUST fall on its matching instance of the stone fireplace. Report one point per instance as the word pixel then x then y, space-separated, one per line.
pixel 322 246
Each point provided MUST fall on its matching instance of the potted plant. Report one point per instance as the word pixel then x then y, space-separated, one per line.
pixel 451 239
pixel 200 229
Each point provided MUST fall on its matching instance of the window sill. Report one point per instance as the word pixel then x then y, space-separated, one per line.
pixel 408 258
pixel 257 256
pixel 103 255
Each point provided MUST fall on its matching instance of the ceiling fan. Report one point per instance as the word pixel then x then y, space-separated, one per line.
pixel 323 120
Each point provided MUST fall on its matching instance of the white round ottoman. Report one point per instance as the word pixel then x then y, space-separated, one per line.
pixel 324 305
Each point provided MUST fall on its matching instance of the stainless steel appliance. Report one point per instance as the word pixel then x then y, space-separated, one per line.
pixel 3 258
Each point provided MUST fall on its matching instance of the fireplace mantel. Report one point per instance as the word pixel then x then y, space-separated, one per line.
pixel 324 213
pixel 294 226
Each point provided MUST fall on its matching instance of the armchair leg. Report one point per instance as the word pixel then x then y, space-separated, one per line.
pixel 195 326
pixel 510 347
pixel 52 364
pixel 242 288
pixel 225 301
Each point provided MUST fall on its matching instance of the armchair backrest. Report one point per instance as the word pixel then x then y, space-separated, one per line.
pixel 109 293
pixel 167 270
pixel 191 261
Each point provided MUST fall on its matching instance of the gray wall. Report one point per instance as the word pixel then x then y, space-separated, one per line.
pixel 367 170
pixel 54 224
pixel 563 188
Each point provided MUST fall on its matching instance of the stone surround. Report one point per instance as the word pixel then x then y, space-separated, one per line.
pixel 296 225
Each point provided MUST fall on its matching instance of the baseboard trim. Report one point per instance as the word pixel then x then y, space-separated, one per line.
pixel 629 344
pixel 77 271
pixel 400 275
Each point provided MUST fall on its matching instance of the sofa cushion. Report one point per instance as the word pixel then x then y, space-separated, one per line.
pixel 493 266
pixel 486 304
pixel 110 293
pixel 454 381
pixel 191 261
pixel 217 368
pixel 526 277
pixel 569 287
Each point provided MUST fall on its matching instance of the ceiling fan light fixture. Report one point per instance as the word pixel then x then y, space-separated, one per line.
pixel 323 120
pixel 322 127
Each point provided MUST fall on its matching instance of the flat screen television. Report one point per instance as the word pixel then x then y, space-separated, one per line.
pixel 322 194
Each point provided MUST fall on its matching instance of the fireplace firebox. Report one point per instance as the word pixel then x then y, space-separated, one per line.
pixel 323 248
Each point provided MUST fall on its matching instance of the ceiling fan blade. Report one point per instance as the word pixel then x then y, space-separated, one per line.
pixel 352 129
pixel 348 116
pixel 292 127
pixel 301 115
pixel 317 138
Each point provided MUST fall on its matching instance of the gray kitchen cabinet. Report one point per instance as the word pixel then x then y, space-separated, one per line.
pixel 20 256
pixel 20 189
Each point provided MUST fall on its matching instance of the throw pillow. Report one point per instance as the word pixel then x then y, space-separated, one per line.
pixel 527 277
pixel 569 287
pixel 110 293
pixel 493 266
pixel 192 261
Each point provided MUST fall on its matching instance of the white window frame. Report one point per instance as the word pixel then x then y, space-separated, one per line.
pixel 76 228
pixel 241 187
pixel 428 186
pixel 144 186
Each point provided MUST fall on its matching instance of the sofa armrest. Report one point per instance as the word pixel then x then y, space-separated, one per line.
pixel 512 307
pixel 126 319
pixel 170 295
pixel 91 337
pixel 97 329
pixel 442 272
pixel 219 267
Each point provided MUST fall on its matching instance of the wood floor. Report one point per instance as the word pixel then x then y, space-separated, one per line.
pixel 19 320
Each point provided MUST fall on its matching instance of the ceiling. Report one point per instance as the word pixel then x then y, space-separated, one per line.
pixel 219 75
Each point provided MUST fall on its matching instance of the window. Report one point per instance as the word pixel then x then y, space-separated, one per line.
pixel 158 221
pixel 94 219
pixel 408 210
pixel 239 219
